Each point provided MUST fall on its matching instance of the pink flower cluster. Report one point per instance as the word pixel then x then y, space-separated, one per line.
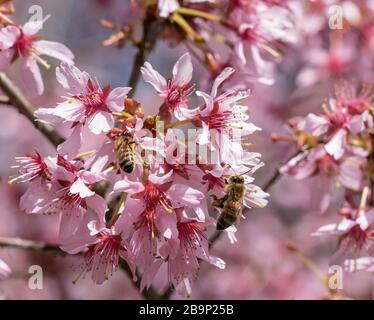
pixel 336 148
pixel 251 35
pixel 161 217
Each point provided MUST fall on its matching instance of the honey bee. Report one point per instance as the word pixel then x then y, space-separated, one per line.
pixel 124 146
pixel 231 203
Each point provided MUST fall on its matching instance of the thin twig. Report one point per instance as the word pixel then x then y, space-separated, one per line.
pixel 39 246
pixel 148 42
pixel 31 245
pixel 18 101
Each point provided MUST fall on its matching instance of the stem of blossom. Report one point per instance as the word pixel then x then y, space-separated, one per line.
pixel 198 13
pixel 184 25
pixel 363 202
pixel 323 277
pixel 148 42
pixel 178 123
pixel 308 263
pixel 18 101
pixel 4 18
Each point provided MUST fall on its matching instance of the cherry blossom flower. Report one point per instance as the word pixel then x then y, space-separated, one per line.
pixel 316 162
pixel 356 233
pixel 257 31
pixel 223 120
pixel 175 90
pixel 183 253
pixel 65 190
pixel 22 42
pixel 88 107
pixel 104 249
pixel 349 113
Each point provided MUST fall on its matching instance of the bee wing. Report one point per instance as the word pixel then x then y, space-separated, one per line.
pixel 240 216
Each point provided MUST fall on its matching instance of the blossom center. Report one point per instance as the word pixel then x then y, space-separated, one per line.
pixel 177 94
pixel 154 196
pixel 24 44
pixel 94 99
pixel 191 234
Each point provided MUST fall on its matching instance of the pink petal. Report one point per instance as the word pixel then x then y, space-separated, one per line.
pixel 32 27
pixel 31 76
pixel 182 195
pixel 315 125
pixel 6 57
pixel 116 98
pixel 160 180
pixel 8 37
pixel 128 186
pixel 55 50
pixel 4 270
pixel 226 73
pixel 151 76
pixel 182 71
pixel 101 122
pixel 70 221
pixel 99 205
pixel 71 78
pixel 69 110
pixel 70 146
pixel 79 187
pixel 335 147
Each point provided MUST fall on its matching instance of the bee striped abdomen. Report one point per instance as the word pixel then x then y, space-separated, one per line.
pixel 233 202
pixel 229 215
pixel 124 146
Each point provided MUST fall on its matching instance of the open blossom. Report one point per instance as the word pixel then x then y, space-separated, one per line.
pixel 356 233
pixel 182 253
pixel 349 113
pixel 88 106
pixel 104 247
pixel 327 171
pixel 175 90
pixel 259 27
pixel 31 167
pixel 22 42
pixel 224 120
pixel 151 213
pixel 4 270
pixel 63 187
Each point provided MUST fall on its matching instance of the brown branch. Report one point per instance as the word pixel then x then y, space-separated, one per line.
pixel 151 29
pixel 39 246
pixel 31 245
pixel 18 101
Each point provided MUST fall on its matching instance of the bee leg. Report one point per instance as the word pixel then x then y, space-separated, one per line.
pixel 219 202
